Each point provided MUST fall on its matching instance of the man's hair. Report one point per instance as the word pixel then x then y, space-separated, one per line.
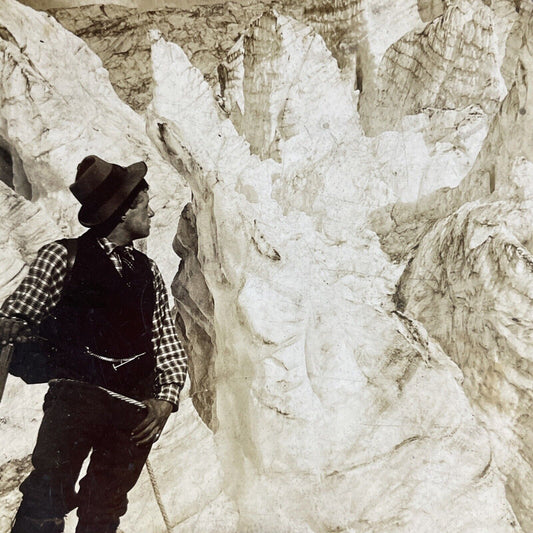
pixel 133 199
pixel 133 202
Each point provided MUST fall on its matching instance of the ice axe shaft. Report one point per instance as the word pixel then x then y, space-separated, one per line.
pixel 5 359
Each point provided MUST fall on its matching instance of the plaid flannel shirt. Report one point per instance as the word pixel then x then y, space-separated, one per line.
pixel 40 291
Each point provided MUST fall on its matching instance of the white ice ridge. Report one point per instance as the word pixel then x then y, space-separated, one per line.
pixel 54 113
pixel 333 412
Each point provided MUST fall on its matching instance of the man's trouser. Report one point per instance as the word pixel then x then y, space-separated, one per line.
pixel 75 422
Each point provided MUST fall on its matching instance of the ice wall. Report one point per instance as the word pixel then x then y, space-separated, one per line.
pixel 333 412
pixel 322 399
pixel 401 226
pixel 357 32
pixel 476 296
pixel 53 114
pixel 451 63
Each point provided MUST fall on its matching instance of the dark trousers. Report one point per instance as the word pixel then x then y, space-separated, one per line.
pixel 75 422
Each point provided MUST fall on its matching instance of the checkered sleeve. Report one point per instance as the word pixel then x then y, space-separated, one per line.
pixel 171 359
pixel 40 290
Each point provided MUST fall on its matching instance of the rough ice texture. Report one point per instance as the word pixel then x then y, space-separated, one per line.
pixel 452 63
pixel 470 284
pixel 327 406
pixel 509 135
pixel 357 32
pixel 120 37
pixel 401 226
pixel 195 316
pixel 475 300
pixel 268 110
pixel 49 121
pixel 373 422
pixel 430 151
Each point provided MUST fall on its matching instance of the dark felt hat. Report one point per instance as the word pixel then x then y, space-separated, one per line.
pixel 102 188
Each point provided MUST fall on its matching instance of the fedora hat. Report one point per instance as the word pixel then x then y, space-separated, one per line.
pixel 102 188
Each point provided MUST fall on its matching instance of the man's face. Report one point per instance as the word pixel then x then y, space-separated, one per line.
pixel 137 218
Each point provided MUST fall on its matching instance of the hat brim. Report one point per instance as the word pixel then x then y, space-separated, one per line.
pixel 127 182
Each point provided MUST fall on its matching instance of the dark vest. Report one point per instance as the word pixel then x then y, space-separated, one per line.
pixel 103 319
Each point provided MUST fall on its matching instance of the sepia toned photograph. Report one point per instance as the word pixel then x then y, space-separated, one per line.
pixel 266 266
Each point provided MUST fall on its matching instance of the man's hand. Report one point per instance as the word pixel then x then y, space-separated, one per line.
pixel 12 330
pixel 152 425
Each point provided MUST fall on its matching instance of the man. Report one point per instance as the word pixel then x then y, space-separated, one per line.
pixel 118 363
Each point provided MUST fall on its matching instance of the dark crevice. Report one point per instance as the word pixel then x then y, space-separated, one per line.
pixel 6 35
pixel 6 167
pixel 12 171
